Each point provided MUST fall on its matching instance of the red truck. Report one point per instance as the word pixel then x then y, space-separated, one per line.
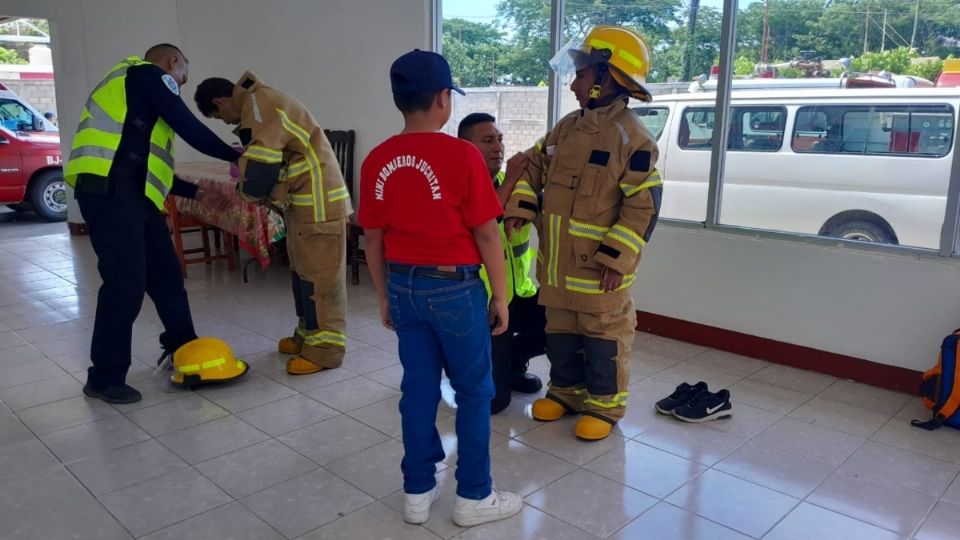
pixel 31 167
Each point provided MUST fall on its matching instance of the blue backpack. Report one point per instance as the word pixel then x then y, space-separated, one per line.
pixel 940 388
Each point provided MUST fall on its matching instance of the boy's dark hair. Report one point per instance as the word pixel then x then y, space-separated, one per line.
pixel 210 89
pixel 471 120
pixel 414 103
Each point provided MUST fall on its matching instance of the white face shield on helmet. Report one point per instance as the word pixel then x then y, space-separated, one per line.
pixel 573 57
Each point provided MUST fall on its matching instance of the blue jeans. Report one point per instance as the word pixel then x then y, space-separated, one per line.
pixel 442 324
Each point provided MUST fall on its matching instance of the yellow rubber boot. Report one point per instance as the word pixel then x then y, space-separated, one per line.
pixel 591 428
pixel 301 366
pixel 288 345
pixel 548 410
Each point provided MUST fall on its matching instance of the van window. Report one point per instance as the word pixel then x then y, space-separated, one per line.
pixel 654 119
pixel 752 128
pixel 896 130
pixel 696 128
pixel 14 116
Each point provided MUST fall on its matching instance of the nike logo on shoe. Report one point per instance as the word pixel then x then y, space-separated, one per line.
pixel 711 410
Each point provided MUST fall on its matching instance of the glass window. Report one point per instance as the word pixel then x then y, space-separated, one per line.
pixel 696 129
pixel 499 53
pixel 15 117
pixel 904 130
pixel 654 119
pixel 752 129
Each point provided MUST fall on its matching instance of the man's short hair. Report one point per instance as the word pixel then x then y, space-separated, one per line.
pixel 209 90
pixel 415 102
pixel 472 119
pixel 162 49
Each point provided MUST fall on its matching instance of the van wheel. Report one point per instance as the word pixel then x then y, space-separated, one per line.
pixel 48 195
pixel 864 231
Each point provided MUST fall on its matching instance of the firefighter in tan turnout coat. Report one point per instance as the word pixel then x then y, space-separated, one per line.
pixel 601 198
pixel 288 160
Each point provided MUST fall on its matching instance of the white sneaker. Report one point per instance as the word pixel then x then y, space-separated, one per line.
pixel 416 507
pixel 497 505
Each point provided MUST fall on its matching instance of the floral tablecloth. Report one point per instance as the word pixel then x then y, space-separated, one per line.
pixel 255 226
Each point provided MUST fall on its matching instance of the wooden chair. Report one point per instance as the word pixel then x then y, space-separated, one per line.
pixel 180 225
pixel 343 143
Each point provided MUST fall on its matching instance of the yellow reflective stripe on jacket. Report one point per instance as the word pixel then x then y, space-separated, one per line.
pixel 295 199
pixel 586 230
pixel 592 286
pixel 263 154
pixel 325 337
pixel 654 180
pixel 626 237
pixel 338 194
pixel 618 400
pixel 556 222
pixel 316 173
pixel 298 168
pixel 523 188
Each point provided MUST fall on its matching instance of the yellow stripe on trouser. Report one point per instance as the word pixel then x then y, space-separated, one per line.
pixel 618 400
pixel 316 173
pixel 325 337
pixel 626 237
pixel 592 286
pixel 555 223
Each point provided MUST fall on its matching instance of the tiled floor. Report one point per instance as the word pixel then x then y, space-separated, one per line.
pixel 805 456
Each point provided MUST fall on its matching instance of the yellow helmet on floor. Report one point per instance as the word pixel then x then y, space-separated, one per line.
pixel 624 52
pixel 205 360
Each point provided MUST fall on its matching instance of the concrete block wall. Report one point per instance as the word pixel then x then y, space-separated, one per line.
pixel 521 111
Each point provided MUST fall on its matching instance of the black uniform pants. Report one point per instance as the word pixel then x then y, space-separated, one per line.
pixel 135 255
pixel 512 350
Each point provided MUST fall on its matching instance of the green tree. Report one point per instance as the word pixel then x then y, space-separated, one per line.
pixel 528 21
pixel 9 56
pixel 476 52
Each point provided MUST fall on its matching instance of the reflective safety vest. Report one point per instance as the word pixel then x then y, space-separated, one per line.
pixel 101 127
pixel 519 258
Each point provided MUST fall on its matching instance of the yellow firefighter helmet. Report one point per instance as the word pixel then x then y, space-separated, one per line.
pixel 623 51
pixel 205 360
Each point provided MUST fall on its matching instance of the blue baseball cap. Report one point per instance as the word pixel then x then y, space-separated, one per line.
pixel 421 71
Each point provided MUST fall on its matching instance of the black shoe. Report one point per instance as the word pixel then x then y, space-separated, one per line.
pixel 526 383
pixel 684 393
pixel 705 406
pixel 120 394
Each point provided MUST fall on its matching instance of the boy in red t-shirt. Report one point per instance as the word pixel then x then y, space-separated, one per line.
pixel 429 214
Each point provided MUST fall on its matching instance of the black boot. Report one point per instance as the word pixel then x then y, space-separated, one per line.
pixel 526 383
pixel 121 394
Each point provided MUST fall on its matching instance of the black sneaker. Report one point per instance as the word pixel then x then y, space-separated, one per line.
pixel 526 383
pixel 705 406
pixel 119 394
pixel 684 393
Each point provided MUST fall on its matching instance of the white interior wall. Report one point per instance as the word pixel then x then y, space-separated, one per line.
pixel 890 309
pixel 334 55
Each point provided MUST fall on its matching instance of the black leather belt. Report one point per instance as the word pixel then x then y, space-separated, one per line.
pixel 456 273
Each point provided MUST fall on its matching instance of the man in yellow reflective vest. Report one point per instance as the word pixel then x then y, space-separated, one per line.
pixel 121 169
pixel 288 159
pixel 525 337
pixel 601 193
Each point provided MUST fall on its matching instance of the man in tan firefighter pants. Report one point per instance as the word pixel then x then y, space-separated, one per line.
pixel 601 197
pixel 288 159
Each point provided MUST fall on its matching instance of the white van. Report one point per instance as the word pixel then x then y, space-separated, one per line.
pixel 870 165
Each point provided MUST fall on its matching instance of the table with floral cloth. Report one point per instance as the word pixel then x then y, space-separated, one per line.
pixel 255 226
